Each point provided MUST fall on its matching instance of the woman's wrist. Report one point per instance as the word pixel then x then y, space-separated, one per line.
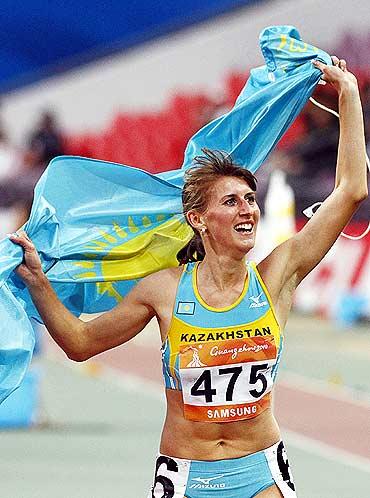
pixel 348 89
pixel 38 282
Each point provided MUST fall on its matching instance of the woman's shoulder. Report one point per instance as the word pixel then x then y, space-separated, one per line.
pixel 169 273
pixel 160 287
pixel 165 277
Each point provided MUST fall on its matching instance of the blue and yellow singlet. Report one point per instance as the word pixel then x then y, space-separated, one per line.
pixel 224 360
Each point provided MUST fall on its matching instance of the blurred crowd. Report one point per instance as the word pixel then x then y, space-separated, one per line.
pixel 308 152
pixel 21 167
pixel 156 142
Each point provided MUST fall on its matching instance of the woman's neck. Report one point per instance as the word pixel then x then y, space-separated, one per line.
pixel 222 272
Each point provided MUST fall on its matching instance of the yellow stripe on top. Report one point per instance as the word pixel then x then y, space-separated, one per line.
pixel 211 308
pixel 182 333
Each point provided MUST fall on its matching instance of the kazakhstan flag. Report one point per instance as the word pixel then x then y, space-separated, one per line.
pixel 99 227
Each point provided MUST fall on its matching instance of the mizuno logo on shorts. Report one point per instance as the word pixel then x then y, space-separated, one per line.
pixel 205 482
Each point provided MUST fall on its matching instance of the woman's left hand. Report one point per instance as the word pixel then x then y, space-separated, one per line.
pixel 337 75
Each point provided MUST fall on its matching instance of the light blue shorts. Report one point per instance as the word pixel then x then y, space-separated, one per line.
pixel 243 477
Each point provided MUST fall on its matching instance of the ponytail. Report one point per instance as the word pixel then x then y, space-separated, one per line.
pixel 193 251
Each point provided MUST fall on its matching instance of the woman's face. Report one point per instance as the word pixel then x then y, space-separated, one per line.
pixel 231 217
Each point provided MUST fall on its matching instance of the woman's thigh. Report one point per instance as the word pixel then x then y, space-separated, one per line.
pixel 271 492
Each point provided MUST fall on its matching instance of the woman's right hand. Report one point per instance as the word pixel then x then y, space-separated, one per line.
pixel 30 271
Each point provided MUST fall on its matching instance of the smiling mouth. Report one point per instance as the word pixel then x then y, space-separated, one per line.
pixel 244 228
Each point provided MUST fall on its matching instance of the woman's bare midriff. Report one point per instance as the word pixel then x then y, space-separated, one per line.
pixel 183 438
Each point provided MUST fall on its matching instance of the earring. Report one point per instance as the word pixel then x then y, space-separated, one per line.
pixel 203 229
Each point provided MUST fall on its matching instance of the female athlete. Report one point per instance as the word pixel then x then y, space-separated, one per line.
pixel 221 319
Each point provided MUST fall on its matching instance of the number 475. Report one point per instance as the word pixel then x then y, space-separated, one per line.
pixel 203 385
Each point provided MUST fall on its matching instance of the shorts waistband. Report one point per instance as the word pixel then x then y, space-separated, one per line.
pixel 229 464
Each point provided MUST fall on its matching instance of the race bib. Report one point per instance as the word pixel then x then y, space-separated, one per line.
pixel 227 381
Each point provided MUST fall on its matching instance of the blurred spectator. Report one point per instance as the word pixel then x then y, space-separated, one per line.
pixel 20 170
pixel 10 161
pixel 46 141
pixel 314 152
pixel 317 148
pixel 9 157
pixel 21 188
pixel 10 165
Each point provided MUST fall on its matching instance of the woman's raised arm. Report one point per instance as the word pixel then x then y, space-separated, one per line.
pixel 294 259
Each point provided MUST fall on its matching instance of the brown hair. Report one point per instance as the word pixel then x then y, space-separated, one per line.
pixel 199 179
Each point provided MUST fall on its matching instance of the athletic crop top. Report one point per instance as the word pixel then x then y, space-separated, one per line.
pixel 224 360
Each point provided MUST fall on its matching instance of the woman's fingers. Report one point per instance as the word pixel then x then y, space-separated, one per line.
pixel 340 63
pixel 22 239
pixel 30 270
pixel 343 64
pixel 25 235
pixel 335 60
pixel 335 74
pixel 320 65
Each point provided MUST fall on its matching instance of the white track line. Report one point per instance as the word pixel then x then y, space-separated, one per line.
pixel 316 386
pixel 324 450
pixel 133 383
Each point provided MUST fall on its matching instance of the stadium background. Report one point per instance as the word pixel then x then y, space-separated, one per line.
pixel 131 82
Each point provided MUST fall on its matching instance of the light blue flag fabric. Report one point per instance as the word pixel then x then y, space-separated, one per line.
pixel 99 227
